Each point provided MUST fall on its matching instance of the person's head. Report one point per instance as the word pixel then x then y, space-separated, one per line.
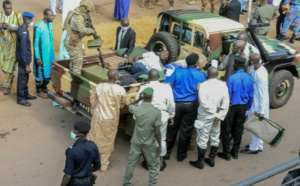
pixel 125 22
pixel 48 15
pixel 153 75
pixel 28 19
pixel 192 60
pixel 113 75
pixel 238 47
pixel 254 60
pixel 148 94
pixel 212 73
pixel 81 129
pixel 7 7
pixel 164 56
pixel 87 6
pixel 239 63
pixel 243 36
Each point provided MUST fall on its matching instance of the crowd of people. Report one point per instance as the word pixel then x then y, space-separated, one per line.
pixel 187 99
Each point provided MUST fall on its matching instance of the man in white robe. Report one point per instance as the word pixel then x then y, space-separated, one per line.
pixel 260 103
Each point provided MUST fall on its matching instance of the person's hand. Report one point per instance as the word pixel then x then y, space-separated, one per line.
pixel 141 97
pixel 39 62
pixel 261 117
pixel 125 56
pixel 158 150
pixel 171 121
pixel 219 109
pixel 222 58
pixel 9 28
pixel 27 69
pixel 129 60
pixel 216 122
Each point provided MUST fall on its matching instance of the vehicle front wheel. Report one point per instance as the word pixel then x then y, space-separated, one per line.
pixel 281 88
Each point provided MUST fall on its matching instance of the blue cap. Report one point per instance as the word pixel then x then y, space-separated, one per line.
pixel 28 15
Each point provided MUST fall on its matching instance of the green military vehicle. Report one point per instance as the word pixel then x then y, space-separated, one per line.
pixel 181 32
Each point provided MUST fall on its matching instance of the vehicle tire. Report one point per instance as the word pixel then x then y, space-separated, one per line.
pixel 164 41
pixel 281 88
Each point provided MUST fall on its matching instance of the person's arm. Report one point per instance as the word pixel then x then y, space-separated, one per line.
pixel 36 45
pixel 263 94
pixel 250 94
pixel 23 48
pixel 66 179
pixel 230 88
pixel 276 14
pixel 123 98
pixel 117 38
pixel 223 8
pixel 157 125
pixel 80 26
pixel 170 102
pixel 138 57
pixel 224 64
pixel 171 80
pixel 131 44
pixel 96 162
pixel 94 98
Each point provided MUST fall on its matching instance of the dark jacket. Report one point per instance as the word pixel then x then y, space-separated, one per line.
pixel 128 41
pixel 231 10
pixel 23 48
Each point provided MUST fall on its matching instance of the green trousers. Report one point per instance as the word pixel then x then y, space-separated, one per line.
pixel 152 159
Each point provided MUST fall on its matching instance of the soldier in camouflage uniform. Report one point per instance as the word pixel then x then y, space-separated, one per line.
pixel 292 15
pixel 75 24
pixel 150 6
pixel 204 4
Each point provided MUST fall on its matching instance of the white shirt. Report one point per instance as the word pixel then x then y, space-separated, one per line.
pixel 67 6
pixel 151 60
pixel 260 103
pixel 163 99
pixel 213 93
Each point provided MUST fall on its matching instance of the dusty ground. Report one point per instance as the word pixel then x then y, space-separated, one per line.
pixel 33 140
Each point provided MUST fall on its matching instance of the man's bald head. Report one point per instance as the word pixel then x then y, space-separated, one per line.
pixel 125 22
pixel 153 75
pixel 238 46
pixel 113 75
pixel 243 36
pixel 254 59
pixel 212 72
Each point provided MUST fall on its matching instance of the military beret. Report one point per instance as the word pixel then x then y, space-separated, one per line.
pixel 148 91
pixel 28 15
pixel 192 59
pixel 82 127
pixel 239 61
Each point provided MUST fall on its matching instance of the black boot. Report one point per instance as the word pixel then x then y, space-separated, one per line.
pixel 200 162
pixel 292 40
pixel 163 164
pixel 281 37
pixel 211 160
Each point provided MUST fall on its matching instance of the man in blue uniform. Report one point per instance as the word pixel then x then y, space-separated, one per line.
pixel 240 89
pixel 43 53
pixel 292 15
pixel 23 54
pixel 82 159
pixel 185 83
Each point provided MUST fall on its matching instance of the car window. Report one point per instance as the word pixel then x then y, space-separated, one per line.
pixel 165 24
pixel 187 36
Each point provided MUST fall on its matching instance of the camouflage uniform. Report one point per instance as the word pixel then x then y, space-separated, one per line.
pixel 76 30
pixel 292 15
pixel 204 5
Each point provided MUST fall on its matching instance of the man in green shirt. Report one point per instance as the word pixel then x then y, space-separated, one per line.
pixel 146 138
pixel 264 13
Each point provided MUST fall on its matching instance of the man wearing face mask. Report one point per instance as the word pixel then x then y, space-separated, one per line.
pixel 43 53
pixel 9 23
pixel 75 24
pixel 125 38
pixel 81 159
pixel 228 62
pixel 107 99
pixel 24 57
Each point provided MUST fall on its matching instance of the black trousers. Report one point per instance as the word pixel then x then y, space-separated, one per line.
pixel 233 125
pixel 279 23
pixel 185 116
pixel 22 88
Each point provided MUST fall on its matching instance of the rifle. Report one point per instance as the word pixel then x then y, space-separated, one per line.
pixel 89 24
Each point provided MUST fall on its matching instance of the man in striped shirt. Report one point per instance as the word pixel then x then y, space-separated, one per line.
pixel 9 23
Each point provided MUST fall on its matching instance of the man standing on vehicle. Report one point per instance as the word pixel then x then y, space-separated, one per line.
pixel 9 23
pixel 184 83
pixel 240 88
pixel 43 53
pixel 163 100
pixel 264 13
pixel 125 38
pixel 230 9
pixel 227 63
pixel 81 159
pixel 213 107
pixel 260 103
pixel 24 57
pixel 76 30
pixel 106 101
pixel 146 138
